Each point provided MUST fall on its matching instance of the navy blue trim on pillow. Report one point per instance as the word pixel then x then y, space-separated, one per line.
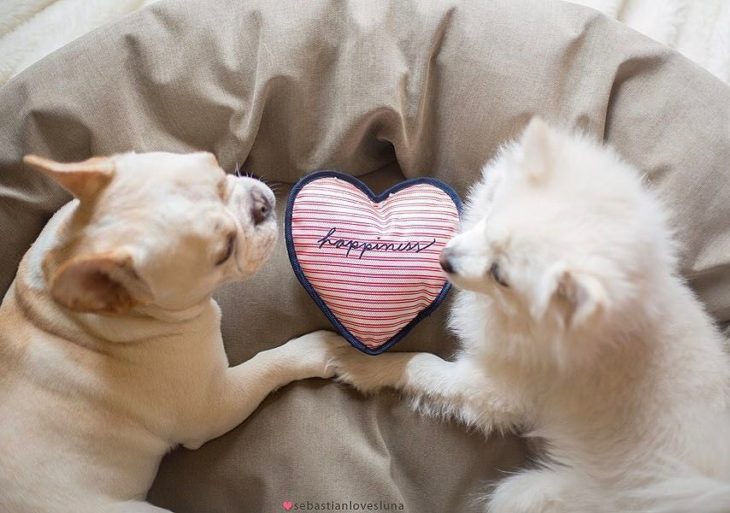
pixel 376 199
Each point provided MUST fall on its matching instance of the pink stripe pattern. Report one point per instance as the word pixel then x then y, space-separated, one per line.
pixel 373 264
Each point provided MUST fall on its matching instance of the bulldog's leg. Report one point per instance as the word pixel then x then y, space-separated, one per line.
pixel 247 384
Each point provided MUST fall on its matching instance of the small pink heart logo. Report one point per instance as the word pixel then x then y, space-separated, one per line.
pixel 287 505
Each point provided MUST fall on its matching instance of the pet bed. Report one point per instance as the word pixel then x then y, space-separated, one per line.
pixel 383 91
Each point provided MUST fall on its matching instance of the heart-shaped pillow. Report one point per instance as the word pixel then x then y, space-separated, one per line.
pixel 371 262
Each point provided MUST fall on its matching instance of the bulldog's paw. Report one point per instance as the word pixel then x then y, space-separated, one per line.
pixel 368 373
pixel 311 353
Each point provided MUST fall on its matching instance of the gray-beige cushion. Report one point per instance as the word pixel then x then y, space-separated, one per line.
pixel 382 90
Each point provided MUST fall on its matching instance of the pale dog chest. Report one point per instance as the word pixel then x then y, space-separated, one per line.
pixel 154 386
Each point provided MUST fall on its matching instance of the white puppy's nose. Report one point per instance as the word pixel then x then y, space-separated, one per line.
pixel 445 260
pixel 262 204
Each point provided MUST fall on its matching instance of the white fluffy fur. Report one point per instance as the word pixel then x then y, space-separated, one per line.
pixel 32 29
pixel 15 12
pixel 583 335
pixel 699 29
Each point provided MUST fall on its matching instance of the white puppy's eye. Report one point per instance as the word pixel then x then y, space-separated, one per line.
pixel 496 273
pixel 230 245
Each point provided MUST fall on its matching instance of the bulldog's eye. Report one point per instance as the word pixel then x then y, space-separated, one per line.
pixel 496 274
pixel 230 245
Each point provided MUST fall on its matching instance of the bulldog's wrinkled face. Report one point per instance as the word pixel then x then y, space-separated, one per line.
pixel 156 229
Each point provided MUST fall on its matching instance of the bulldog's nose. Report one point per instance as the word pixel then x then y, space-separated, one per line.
pixel 445 261
pixel 262 206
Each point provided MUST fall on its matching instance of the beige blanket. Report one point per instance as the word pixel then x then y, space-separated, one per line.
pixel 31 29
pixel 381 90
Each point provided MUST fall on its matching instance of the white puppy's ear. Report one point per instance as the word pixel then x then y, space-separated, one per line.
pixel 100 283
pixel 82 179
pixel 537 146
pixel 578 296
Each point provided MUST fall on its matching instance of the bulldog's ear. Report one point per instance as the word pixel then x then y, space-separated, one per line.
pixel 82 179
pixel 208 157
pixel 100 283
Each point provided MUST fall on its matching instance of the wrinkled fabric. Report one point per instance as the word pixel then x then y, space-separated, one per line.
pixel 382 90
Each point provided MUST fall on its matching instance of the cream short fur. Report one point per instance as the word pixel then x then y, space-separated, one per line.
pixel 111 351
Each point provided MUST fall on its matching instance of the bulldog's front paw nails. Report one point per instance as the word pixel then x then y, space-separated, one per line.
pixel 367 373
pixel 314 351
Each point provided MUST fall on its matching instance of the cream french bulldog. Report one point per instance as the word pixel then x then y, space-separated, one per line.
pixel 110 343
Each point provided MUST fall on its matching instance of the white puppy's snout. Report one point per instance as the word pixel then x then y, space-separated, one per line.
pixel 452 254
pixel 465 260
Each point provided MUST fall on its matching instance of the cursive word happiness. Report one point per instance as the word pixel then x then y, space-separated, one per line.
pixel 361 247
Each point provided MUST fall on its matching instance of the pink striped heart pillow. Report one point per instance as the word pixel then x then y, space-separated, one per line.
pixel 371 263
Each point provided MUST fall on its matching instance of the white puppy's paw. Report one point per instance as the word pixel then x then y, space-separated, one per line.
pixel 532 491
pixel 369 373
pixel 313 352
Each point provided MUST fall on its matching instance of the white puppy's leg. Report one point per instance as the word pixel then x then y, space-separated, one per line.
pixel 439 387
pixel 247 384
pixel 537 491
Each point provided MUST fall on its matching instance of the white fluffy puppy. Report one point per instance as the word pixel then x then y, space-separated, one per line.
pixel 110 343
pixel 576 328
